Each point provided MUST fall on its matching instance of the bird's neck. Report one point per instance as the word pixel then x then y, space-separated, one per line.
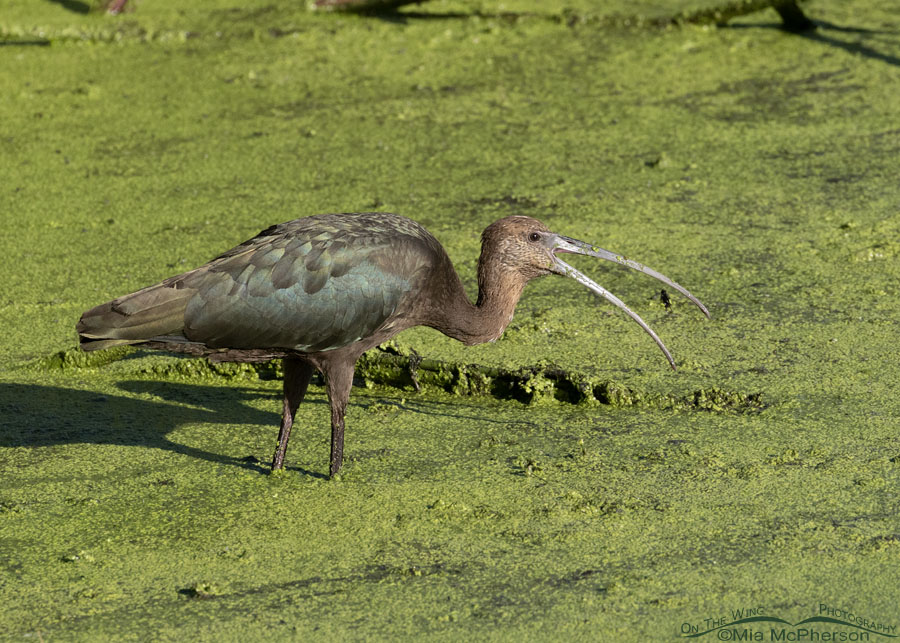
pixel 498 294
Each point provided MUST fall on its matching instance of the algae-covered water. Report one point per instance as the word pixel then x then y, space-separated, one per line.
pixel 560 483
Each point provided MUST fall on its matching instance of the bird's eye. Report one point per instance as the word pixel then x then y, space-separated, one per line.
pixel 534 236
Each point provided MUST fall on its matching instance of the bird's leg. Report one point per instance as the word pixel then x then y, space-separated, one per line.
pixel 297 374
pixel 339 380
pixel 414 360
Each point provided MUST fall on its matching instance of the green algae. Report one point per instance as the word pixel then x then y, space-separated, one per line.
pixel 388 366
pixel 754 167
pixel 76 359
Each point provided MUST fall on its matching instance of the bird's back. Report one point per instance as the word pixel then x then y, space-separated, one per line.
pixel 311 284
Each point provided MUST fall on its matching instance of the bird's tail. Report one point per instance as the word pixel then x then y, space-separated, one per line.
pixel 151 313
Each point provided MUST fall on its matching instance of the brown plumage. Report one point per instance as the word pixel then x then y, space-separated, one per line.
pixel 319 291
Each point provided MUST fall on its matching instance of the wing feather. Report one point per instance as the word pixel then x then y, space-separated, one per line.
pixel 323 291
pixel 311 284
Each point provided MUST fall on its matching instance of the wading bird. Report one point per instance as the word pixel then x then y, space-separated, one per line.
pixel 319 291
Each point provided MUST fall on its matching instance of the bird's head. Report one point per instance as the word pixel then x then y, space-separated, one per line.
pixel 524 248
pixel 519 245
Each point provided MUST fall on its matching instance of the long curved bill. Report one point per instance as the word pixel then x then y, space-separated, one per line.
pixel 566 244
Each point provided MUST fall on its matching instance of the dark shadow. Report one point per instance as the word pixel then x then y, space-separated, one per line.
pixel 824 24
pixel 404 17
pixel 73 5
pixel 803 27
pixel 39 416
pixel 852 47
pixel 393 17
pixel 819 35
pixel 24 43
